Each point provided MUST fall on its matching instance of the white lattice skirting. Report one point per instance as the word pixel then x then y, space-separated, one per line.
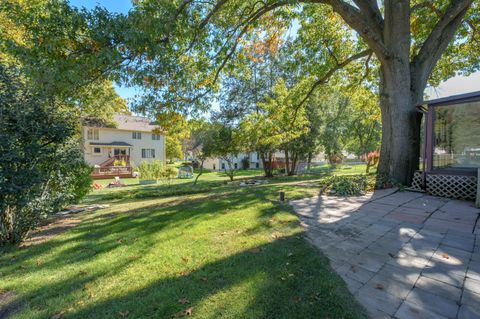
pixel 451 186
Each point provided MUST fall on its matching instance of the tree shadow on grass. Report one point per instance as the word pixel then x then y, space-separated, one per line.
pixel 269 280
pixel 277 283
pixel 103 233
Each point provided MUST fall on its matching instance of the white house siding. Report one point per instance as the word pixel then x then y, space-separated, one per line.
pixel 108 135
pixel 217 164
pixel 212 164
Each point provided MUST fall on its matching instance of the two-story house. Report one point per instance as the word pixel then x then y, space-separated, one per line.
pixel 113 148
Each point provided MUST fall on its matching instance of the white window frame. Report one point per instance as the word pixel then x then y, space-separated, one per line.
pixel 156 137
pixel 96 153
pixel 93 134
pixel 137 135
pixel 148 153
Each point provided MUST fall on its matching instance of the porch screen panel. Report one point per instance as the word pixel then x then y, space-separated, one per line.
pixel 457 136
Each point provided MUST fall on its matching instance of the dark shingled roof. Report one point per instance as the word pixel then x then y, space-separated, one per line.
pixel 110 144
pixel 455 99
pixel 124 122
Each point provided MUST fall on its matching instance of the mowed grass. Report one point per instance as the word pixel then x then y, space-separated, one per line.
pixel 214 251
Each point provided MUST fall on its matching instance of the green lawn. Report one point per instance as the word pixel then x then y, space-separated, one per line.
pixel 218 250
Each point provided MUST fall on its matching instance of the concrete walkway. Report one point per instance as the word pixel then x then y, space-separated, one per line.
pixel 402 254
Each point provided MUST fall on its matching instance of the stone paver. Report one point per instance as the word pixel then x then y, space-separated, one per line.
pixel 402 254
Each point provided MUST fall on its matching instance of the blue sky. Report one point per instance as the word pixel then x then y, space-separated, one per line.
pixel 120 6
pixel 456 85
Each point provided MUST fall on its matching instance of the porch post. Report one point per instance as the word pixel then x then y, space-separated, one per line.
pixel 429 139
pixel 477 200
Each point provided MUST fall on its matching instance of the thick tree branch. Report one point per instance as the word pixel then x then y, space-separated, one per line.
pixel 371 31
pixel 438 40
pixel 371 11
pixel 324 79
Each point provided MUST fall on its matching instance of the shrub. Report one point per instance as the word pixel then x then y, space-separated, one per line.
pixel 41 167
pixel 348 185
pixel 169 173
pixel 156 170
pixel 147 171
pixel 121 162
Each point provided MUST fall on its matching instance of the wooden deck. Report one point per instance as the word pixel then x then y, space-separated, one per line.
pixel 112 171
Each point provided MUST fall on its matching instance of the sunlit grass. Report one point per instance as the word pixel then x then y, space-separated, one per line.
pixel 218 250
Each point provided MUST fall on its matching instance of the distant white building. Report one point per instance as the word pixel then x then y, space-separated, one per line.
pixel 129 139
pixel 254 161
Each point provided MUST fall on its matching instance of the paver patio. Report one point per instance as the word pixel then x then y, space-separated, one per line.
pixel 402 254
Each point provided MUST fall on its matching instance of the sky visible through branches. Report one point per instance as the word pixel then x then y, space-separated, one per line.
pixel 456 85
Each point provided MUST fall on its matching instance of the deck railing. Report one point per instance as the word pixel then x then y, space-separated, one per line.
pixel 112 171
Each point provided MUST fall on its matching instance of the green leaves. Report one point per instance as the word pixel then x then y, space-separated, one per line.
pixel 42 168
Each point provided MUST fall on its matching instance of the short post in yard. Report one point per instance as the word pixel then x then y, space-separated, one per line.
pixel 282 196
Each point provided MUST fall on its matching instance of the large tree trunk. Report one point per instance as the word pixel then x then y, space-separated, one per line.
pixel 400 150
pixel 287 161
pixel 267 163
pixel 309 161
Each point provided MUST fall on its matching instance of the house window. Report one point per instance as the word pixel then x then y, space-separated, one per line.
pixel 155 137
pixel 148 153
pixel 136 135
pixel 223 165
pixel 235 165
pixel 257 165
pixel 92 134
pixel 97 150
pixel 457 136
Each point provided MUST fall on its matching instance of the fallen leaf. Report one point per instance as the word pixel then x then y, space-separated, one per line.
pixel 124 314
pixel 255 250
pixel 58 315
pixel 185 259
pixel 379 286
pixel 184 313
pixel 446 256
pixel 183 301
pixel 133 258
pixel 185 273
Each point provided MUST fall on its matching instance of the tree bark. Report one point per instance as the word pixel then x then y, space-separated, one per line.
pixel 267 165
pixel 403 79
pixel 400 150
pixel 287 161
pixel 200 173
pixel 309 161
